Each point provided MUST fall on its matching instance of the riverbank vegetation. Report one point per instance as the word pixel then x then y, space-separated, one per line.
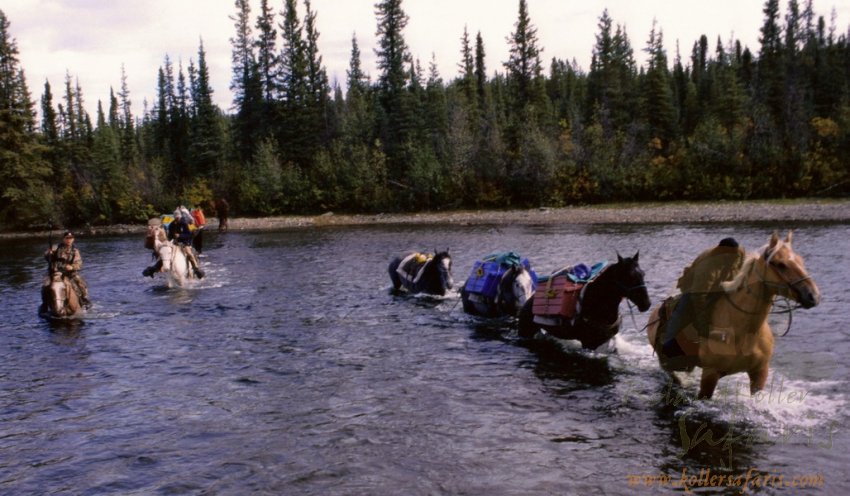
pixel 720 121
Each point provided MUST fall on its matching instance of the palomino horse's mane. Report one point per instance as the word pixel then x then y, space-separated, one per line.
pixel 765 253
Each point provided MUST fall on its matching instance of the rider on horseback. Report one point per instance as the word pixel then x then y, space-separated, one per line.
pixel 65 258
pixel 700 286
pixel 180 232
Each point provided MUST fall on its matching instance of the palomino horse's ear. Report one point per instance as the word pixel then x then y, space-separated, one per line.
pixel 774 240
pixel 788 238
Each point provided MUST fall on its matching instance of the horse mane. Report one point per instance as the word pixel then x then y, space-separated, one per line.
pixel 740 278
pixel 766 253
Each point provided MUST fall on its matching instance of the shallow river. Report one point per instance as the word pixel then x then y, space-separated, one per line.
pixel 290 369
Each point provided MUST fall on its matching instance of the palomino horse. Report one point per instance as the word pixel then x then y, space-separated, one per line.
pixel 511 288
pixel 740 338
pixel 422 273
pixel 58 298
pixel 174 261
pixel 598 318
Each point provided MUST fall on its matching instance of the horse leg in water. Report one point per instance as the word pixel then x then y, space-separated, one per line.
pixel 393 270
pixel 758 378
pixel 708 383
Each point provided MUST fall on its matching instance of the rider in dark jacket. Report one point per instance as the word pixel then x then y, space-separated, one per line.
pixel 180 232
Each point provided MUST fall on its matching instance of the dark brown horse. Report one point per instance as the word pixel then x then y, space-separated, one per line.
pixel 598 319
pixel 222 210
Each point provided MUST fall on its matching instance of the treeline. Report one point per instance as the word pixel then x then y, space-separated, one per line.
pixel 720 122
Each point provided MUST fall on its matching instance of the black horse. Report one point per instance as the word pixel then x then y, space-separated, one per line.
pixel 422 273
pixel 598 319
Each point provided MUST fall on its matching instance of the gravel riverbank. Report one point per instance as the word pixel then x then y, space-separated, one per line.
pixel 633 213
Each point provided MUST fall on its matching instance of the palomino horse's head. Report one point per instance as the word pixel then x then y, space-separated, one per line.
pixel 516 287
pixel 443 263
pixel 629 278
pixel 788 272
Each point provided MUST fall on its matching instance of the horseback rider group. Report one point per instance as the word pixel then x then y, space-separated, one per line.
pixel 180 232
pixel 65 258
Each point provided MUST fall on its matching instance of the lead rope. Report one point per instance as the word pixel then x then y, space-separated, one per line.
pixel 632 313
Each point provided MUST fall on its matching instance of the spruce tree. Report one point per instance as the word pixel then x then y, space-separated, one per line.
pixel 25 197
pixel 396 108
pixel 660 111
pixel 523 65
pixel 206 143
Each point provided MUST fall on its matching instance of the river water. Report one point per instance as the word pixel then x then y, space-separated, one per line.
pixel 290 369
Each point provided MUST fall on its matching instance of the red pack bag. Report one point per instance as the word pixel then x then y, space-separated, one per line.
pixel 559 296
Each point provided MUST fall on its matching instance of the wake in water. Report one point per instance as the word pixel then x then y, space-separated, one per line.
pixel 787 411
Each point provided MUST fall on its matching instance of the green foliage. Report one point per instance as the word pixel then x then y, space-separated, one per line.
pixel 722 123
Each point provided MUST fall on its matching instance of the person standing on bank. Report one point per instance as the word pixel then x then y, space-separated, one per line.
pixel 65 258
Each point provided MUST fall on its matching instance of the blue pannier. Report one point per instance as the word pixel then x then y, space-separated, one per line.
pixel 485 277
pixel 488 272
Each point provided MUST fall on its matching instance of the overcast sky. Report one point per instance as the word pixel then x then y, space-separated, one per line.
pixel 91 39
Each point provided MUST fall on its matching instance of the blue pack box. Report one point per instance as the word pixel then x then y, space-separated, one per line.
pixel 485 277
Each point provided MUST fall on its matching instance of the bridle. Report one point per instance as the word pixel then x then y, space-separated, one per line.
pixel 787 283
pixel 780 287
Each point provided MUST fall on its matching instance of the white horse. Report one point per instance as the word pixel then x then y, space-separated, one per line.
pixel 174 262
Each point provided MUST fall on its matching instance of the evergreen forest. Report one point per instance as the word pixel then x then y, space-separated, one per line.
pixel 716 120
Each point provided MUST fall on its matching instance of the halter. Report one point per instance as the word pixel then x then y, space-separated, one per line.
pixel 788 283
pixel 628 289
pixel 768 284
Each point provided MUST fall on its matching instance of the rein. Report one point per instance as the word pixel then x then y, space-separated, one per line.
pixel 768 284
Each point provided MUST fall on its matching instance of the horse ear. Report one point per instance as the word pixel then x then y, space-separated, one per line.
pixel 788 238
pixel 619 258
pixel 774 239
pixel 637 255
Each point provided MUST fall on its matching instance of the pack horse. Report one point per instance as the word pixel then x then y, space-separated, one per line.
pixel 416 272
pixel 499 285
pixel 583 303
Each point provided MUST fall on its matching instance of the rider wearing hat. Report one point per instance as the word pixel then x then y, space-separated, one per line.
pixel 700 286
pixel 65 258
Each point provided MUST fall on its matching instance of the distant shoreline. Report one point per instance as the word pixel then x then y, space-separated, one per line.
pixel 631 213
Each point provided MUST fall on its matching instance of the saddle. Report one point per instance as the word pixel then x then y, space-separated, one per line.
pixel 412 266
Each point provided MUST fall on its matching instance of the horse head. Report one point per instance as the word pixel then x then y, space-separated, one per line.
pixel 788 274
pixel 629 278
pixel 58 294
pixel 442 263
pixel 516 287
